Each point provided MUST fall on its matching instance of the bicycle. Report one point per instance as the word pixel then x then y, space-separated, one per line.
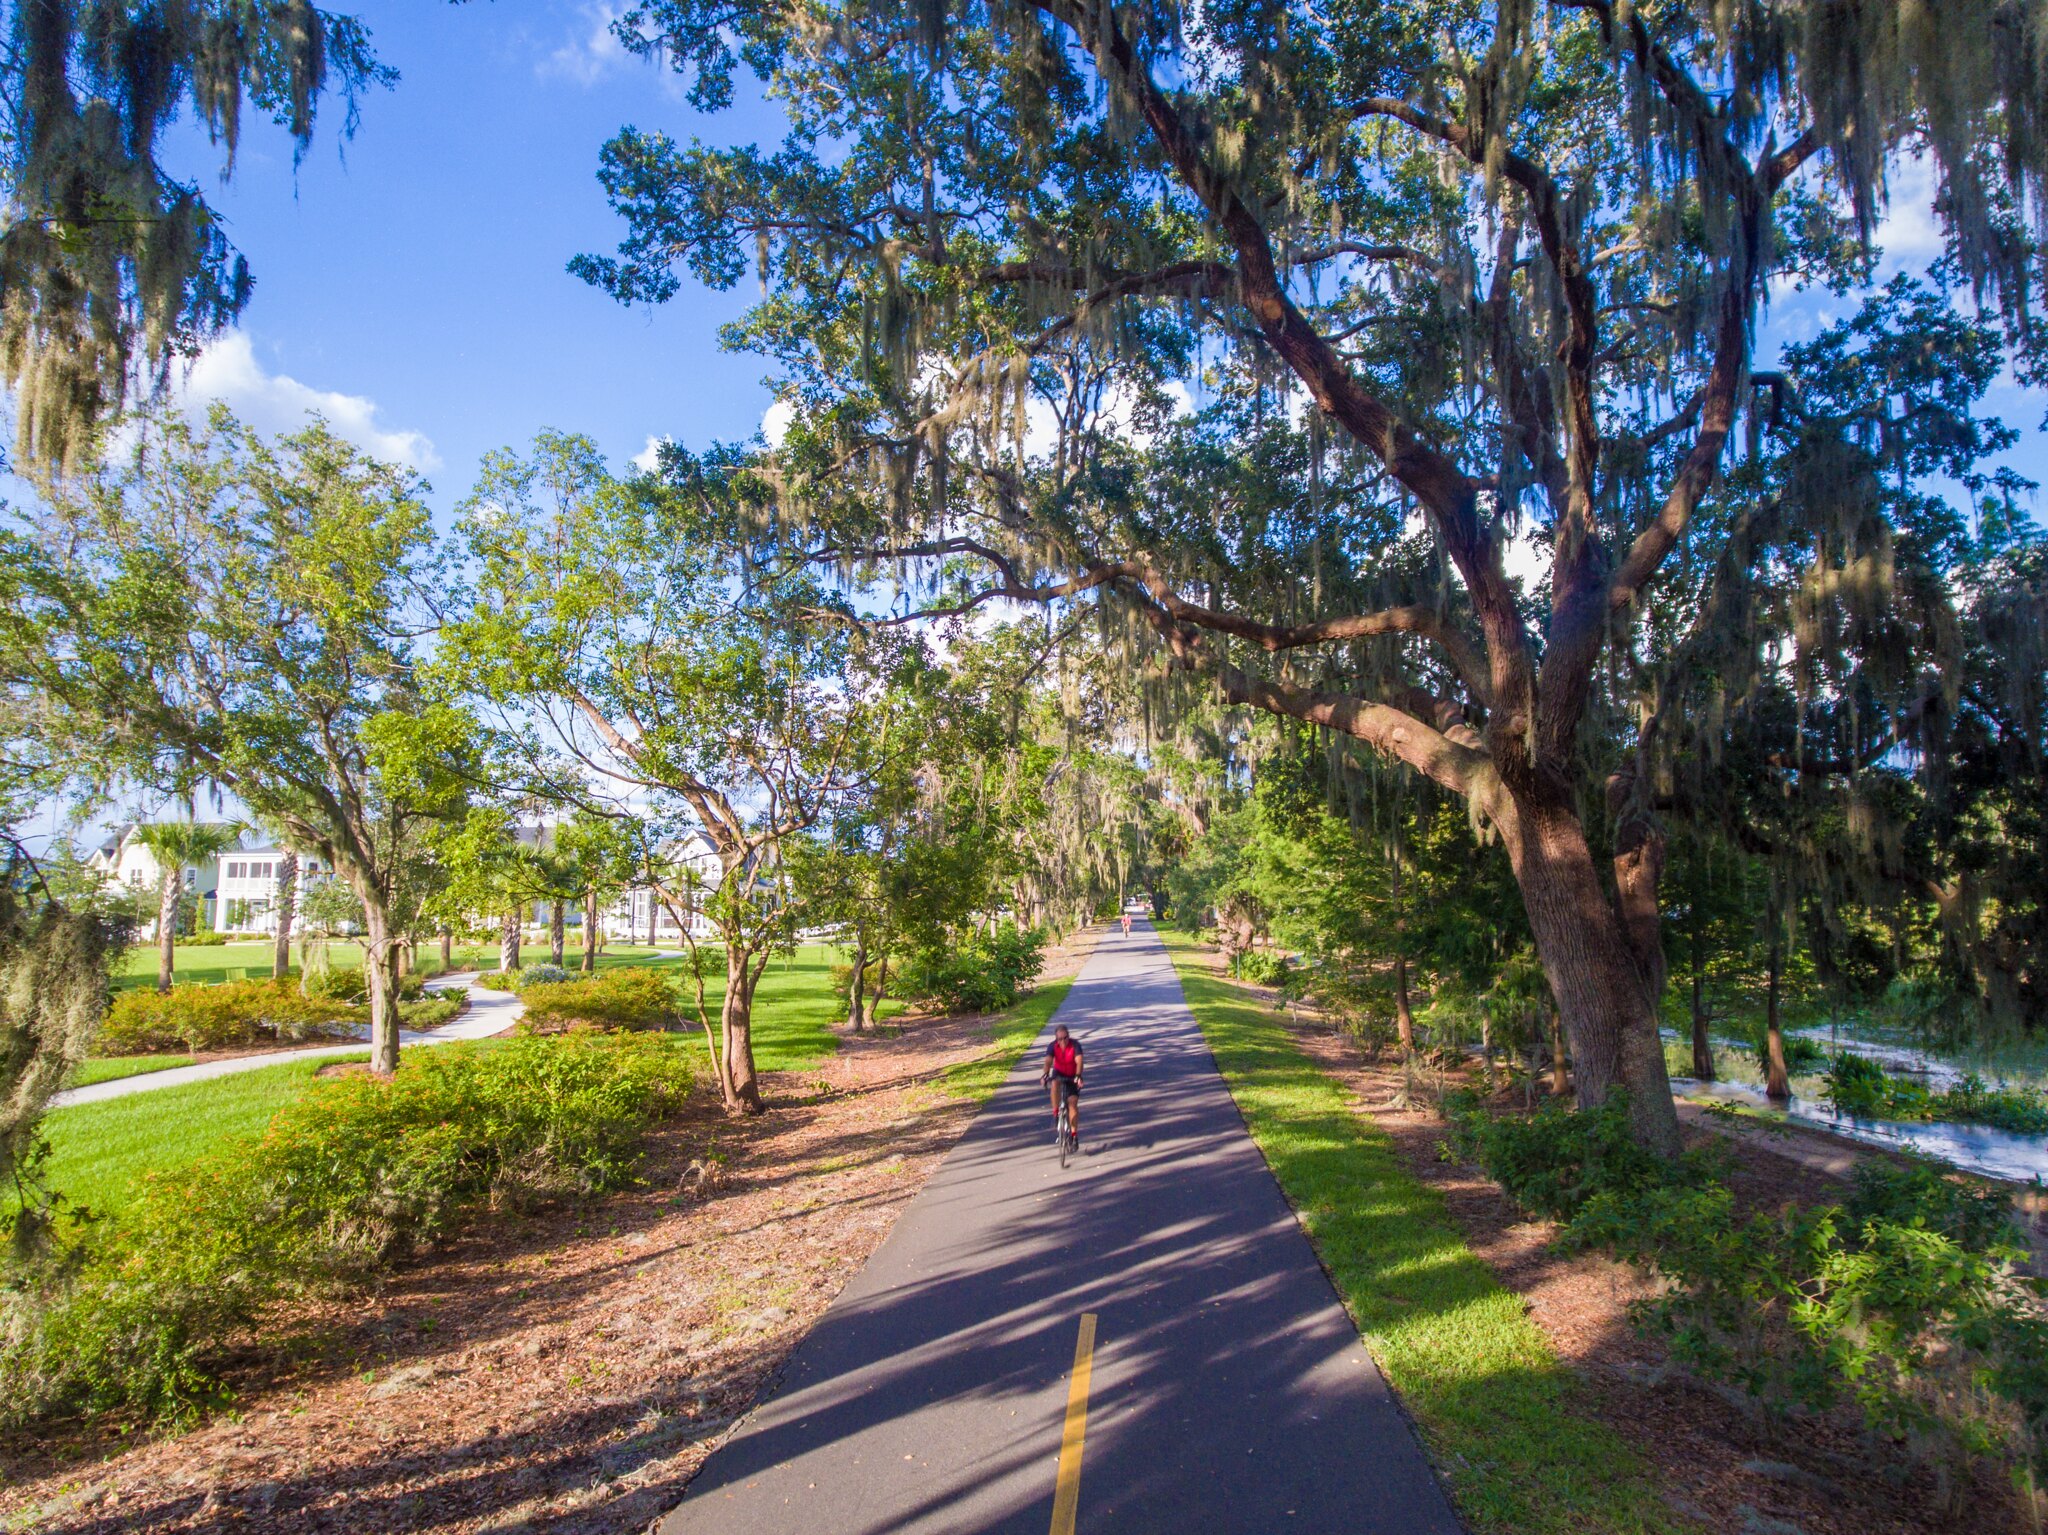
pixel 1068 1142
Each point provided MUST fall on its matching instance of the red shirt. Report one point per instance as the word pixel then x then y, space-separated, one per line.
pixel 1064 1056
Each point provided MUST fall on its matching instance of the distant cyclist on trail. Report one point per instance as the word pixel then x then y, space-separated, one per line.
pixel 1127 924
pixel 1062 1076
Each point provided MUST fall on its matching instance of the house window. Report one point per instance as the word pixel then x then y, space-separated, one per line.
pixel 234 871
pixel 261 870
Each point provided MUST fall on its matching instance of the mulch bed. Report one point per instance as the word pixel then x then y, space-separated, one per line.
pixel 1716 1462
pixel 566 1370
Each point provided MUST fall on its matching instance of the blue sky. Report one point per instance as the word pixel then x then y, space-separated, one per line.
pixel 410 282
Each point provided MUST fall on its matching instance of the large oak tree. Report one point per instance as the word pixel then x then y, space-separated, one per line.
pixel 1514 254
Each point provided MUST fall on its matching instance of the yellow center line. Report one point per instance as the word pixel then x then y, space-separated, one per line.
pixel 1066 1497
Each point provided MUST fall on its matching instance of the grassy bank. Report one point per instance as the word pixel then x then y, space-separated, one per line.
pixel 1500 1414
pixel 99 1150
pixel 977 1080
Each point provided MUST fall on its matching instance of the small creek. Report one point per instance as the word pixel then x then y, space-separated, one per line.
pixel 1973 1148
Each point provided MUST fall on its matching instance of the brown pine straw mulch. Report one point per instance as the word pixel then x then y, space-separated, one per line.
pixel 563 1371
pixel 1718 1465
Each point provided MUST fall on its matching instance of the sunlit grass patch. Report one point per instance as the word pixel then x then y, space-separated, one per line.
pixel 978 1079
pixel 114 1067
pixel 1505 1421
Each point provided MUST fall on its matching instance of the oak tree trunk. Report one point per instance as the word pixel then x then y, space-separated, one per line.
pixel 558 932
pixel 1593 972
pixel 287 913
pixel 1702 1044
pixel 447 949
pixel 857 988
pixel 508 943
pixel 1560 1078
pixel 589 965
pixel 740 1085
pixel 167 928
pixel 380 985
pixel 1404 1015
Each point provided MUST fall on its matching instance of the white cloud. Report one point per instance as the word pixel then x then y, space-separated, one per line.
pixel 648 459
pixel 591 51
pixel 275 402
pixel 1907 231
pixel 775 422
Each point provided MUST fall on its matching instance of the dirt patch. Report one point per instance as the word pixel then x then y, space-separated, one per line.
pixel 562 1371
pixel 1717 1464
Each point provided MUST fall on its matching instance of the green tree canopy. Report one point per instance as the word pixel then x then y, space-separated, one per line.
pixel 216 605
pixel 1513 255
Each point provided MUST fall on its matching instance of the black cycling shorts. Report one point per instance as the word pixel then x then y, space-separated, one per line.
pixel 1069 1087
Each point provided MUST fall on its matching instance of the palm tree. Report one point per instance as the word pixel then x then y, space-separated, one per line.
pixel 286 907
pixel 175 844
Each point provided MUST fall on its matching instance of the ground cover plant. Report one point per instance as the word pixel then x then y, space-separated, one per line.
pixel 1487 1391
pixel 1903 1306
pixel 133 1314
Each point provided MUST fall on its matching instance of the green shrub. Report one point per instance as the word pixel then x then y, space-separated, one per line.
pixel 625 998
pixel 136 1316
pixel 1973 1101
pixel 202 941
pixel 1555 1160
pixel 1262 967
pixel 202 1017
pixel 434 1009
pixel 538 975
pixel 1933 1341
pixel 1860 1086
pixel 983 973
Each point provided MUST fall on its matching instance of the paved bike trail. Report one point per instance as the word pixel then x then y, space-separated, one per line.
pixel 1229 1389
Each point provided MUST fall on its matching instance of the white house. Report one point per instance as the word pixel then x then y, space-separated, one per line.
pixel 641 916
pixel 122 859
pixel 246 889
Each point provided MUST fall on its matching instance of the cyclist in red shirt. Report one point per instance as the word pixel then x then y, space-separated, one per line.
pixel 1127 924
pixel 1062 1076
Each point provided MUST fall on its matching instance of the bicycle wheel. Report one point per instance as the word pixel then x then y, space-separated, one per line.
pixel 1066 1147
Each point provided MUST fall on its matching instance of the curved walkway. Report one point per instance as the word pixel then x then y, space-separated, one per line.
pixel 489 1012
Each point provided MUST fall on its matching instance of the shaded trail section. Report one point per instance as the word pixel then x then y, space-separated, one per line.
pixel 1228 1391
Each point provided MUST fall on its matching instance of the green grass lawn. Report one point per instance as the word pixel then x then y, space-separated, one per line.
pixel 99 1150
pixel 1504 1420
pixel 215 963
pixel 112 1068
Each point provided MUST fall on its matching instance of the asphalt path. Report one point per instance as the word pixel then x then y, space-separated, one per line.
pixel 1227 1391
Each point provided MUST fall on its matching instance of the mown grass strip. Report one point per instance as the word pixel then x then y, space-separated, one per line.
pixel 112 1068
pixel 978 1079
pixel 1504 1420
